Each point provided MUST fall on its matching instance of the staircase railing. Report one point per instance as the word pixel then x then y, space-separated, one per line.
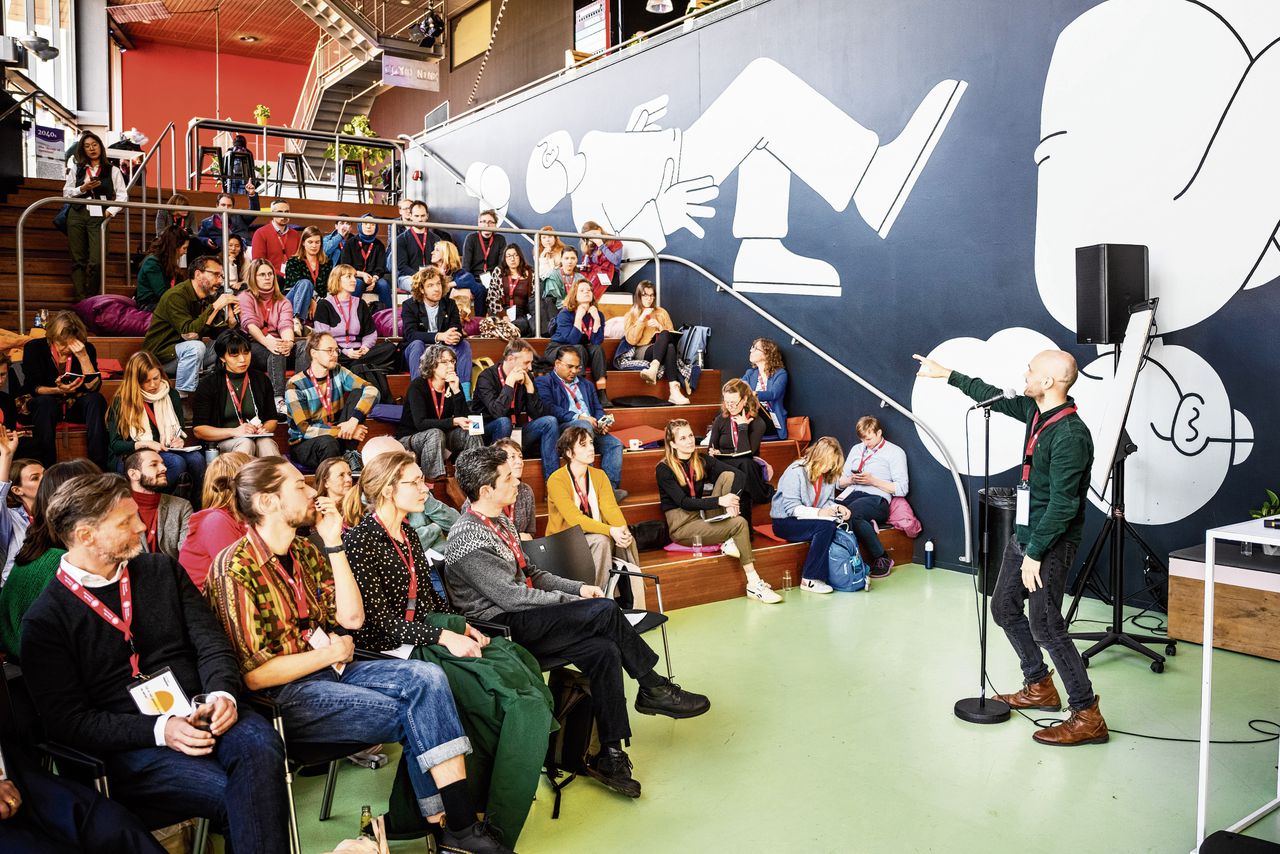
pixel 171 132
pixel 797 338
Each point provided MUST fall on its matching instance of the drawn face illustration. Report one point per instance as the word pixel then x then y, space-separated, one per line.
pixel 547 177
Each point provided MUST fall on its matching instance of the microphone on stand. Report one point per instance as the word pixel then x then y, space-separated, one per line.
pixel 1007 394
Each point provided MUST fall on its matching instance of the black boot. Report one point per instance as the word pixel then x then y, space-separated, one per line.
pixel 671 700
pixel 612 767
pixel 479 838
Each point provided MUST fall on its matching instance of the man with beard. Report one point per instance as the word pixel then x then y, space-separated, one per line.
pixel 113 615
pixel 165 516
pixel 288 612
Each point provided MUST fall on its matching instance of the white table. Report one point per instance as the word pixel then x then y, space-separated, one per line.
pixel 1255 532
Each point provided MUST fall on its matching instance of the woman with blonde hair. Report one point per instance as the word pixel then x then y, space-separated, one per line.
pixel 694 489
pixel 217 525
pixel 308 270
pixel 445 258
pixel 348 319
pixel 267 318
pixel 735 438
pixel 429 317
pixel 649 339
pixel 580 325
pixel 804 508
pixel 146 414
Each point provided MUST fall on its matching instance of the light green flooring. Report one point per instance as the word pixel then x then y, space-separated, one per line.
pixel 831 730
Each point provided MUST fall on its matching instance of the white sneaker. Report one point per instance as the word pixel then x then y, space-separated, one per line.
pixel 676 397
pixel 730 548
pixel 813 585
pixel 761 591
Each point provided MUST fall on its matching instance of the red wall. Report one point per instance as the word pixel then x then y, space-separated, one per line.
pixel 164 83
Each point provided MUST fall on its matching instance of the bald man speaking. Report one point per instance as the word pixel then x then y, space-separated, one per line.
pixel 1051 500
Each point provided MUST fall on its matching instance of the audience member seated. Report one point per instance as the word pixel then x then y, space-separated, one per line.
pixel 491 579
pixel 235 264
pixel 161 269
pixel 415 246
pixel 574 404
pixel 700 499
pixel 512 289
pixel 187 314
pixel 433 523
pixel 327 407
pixel 165 516
pixel 649 343
pixel 333 480
pixel 368 255
pixel 804 509
pixel 146 414
pixel 580 325
pixel 36 562
pixel 579 494
pixel 601 257
pixel 306 274
pixel 241 225
pixel 506 396
pixel 232 409
pixel 85 642
pixel 523 511
pixel 180 219
pixel 90 175
pixel 280 601
pixel 216 526
pixel 404 208
pixel 429 318
pixel 555 286
pixel 547 255
pixel 336 240
pixel 444 257
pixel 482 250
pixel 19 483
pixel 348 319
pixel 768 379
pixel 436 417
pixel 268 318
pixel 735 438
pixel 60 372
pixel 494 683
pixel 877 476
pixel 277 241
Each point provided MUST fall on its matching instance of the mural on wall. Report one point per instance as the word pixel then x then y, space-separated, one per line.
pixel 1157 124
pixel 652 182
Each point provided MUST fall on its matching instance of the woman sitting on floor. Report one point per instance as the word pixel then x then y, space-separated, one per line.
pixel 649 343
pixel 436 417
pixel 146 414
pixel 804 508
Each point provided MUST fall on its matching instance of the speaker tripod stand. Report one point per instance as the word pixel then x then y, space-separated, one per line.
pixel 1115 530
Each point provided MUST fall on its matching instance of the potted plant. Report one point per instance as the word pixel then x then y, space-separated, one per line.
pixel 262 114
pixel 371 159
pixel 1270 507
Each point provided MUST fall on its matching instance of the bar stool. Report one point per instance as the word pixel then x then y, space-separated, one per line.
pixel 214 153
pixel 347 167
pixel 299 180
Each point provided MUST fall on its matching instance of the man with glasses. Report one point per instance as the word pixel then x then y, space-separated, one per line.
pixel 574 404
pixel 187 314
pixel 482 252
pixel 279 241
pixel 327 407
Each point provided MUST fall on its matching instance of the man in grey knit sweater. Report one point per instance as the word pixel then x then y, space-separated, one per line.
pixel 490 578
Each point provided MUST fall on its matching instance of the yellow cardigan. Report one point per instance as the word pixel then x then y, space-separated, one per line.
pixel 641 334
pixel 563 511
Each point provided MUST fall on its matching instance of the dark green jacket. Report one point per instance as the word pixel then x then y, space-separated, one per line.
pixel 179 312
pixel 1059 468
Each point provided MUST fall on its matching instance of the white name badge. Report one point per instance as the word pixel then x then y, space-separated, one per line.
pixel 603 279
pixel 475 427
pixel 94 210
pixel 1022 514
pixel 511 312
pixel 160 694
pixel 319 639
pixel 486 278
pixel 517 436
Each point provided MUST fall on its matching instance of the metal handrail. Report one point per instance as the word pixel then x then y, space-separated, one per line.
pixel 226 230
pixel 18 104
pixel 797 338
pixel 170 131
pixel 22 83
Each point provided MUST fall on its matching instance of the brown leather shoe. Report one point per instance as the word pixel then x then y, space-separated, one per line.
pixel 1037 695
pixel 1085 726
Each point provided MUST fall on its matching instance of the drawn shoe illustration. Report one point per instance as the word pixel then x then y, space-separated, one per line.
pixel 764 265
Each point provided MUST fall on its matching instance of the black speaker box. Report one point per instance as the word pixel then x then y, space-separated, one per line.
pixel 1110 277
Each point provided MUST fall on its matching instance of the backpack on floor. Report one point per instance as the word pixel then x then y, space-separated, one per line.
pixel 846 571
pixel 569 746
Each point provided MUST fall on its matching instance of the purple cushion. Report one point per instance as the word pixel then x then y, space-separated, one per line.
pixel 707 548
pixel 382 320
pixel 113 314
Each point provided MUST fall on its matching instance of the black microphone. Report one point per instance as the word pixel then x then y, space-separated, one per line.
pixel 1007 394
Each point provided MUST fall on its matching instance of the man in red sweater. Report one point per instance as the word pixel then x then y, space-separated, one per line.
pixel 277 242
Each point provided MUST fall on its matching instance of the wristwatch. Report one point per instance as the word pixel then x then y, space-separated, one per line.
pixel 333 550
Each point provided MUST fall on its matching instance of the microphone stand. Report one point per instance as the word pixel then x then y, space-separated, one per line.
pixel 980 709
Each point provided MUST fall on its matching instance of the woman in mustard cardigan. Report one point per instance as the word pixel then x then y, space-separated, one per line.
pixel 580 494
pixel 649 340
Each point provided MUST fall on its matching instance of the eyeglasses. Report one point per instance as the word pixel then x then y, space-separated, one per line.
pixel 419 482
pixel 326 350
pixel 211 274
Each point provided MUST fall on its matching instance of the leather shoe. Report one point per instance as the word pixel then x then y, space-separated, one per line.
pixel 1084 726
pixel 479 838
pixel 1036 695
pixel 612 767
pixel 671 700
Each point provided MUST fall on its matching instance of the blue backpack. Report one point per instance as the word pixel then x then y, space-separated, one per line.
pixel 845 570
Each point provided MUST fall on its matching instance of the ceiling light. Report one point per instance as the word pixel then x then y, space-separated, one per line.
pixel 659 7
pixel 248 38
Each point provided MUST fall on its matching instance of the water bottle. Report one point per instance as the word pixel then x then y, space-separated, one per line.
pixel 697 544
pixel 366 821
pixel 928 554
pixel 786 579
pixel 38 323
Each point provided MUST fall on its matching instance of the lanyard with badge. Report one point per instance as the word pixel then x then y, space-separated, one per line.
pixel 406 558
pixel 1023 492
pixel 502 534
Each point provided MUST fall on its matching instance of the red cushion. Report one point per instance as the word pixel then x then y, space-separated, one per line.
pixel 767 530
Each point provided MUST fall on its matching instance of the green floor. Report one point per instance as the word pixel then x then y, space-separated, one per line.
pixel 831 731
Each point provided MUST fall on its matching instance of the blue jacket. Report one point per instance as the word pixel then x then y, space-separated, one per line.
pixel 553 394
pixel 771 397
pixel 566 333
pixel 332 245
pixel 239 224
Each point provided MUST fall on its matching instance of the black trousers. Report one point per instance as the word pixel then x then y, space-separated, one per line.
pixel 597 639
pixel 591 356
pixel 58 816
pixel 662 349
pixel 90 410
pixel 312 452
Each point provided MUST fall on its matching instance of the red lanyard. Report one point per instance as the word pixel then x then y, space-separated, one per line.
pixel 238 401
pixel 509 541
pixel 296 585
pixel 762 382
pixel 53 351
pixel 512 282
pixel 1035 437
pixel 688 478
pixel 93 171
pixel 817 492
pixel 151 413
pixel 346 318
pixel 502 379
pixel 733 429
pixel 325 399
pixel 484 247
pixel 866 456
pixel 406 557
pixel 588 323
pixel 584 495
pixel 364 254
pixel 574 394
pixel 315 270
pixel 437 399
pixel 422 245
pixel 123 624
pixel 280 239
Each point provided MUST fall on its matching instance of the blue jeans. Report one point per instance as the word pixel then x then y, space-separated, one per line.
pixel 300 297
pixel 462 350
pixel 178 463
pixel 376 701
pixel 608 447
pixel 541 433
pixel 382 288
pixel 818 533
pixel 193 357
pixel 404 284
pixel 240 785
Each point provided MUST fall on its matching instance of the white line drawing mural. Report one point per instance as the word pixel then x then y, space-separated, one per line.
pixel 651 182
pixel 1157 126
pixel 490 185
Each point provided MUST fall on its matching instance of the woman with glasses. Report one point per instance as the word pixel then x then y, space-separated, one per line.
pixel 437 416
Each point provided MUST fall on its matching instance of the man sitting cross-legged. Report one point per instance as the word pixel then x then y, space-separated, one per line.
pixel 487 577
